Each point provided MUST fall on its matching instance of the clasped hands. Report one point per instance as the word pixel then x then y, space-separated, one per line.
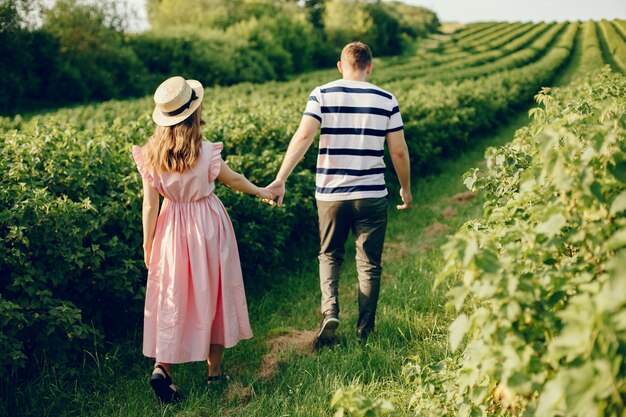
pixel 274 193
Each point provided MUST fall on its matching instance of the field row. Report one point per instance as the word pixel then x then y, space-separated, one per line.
pixel 408 70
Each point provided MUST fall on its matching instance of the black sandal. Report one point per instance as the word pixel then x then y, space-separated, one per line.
pixel 218 379
pixel 162 386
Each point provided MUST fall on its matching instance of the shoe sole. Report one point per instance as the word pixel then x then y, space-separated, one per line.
pixel 329 331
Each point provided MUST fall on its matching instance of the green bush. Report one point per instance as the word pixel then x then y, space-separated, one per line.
pixel 76 55
pixel 212 58
pixel 66 238
pixel 90 44
pixel 34 72
pixel 541 295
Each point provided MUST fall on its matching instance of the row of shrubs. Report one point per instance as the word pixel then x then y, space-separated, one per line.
pixel 70 225
pixel 80 52
pixel 538 278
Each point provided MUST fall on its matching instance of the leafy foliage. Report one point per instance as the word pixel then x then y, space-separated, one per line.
pixel 384 26
pixel 540 296
pixel 78 53
pixel 354 403
pixel 96 58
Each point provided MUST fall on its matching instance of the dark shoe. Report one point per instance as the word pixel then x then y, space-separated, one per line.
pixel 162 385
pixel 363 334
pixel 218 379
pixel 328 330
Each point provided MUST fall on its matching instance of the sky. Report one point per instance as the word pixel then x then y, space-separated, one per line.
pixel 140 21
pixel 465 11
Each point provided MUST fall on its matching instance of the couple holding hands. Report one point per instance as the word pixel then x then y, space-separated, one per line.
pixel 195 300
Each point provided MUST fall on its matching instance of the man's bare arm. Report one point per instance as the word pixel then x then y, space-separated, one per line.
pixel 299 144
pixel 400 158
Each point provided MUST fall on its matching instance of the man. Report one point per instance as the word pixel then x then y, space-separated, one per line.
pixel 356 118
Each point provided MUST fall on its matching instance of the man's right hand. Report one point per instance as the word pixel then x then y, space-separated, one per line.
pixel 277 187
pixel 407 199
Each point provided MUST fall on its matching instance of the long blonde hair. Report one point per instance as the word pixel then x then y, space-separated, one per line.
pixel 174 148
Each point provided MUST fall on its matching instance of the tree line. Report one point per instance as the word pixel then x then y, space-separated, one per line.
pixel 76 51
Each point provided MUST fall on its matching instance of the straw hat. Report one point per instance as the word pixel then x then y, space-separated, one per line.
pixel 176 99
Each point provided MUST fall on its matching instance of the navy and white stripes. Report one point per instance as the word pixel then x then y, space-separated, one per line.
pixel 355 118
pixel 330 88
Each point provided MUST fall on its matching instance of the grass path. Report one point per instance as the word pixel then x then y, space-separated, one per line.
pixel 277 373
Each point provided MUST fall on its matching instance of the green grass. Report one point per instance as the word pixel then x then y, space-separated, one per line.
pixel 411 323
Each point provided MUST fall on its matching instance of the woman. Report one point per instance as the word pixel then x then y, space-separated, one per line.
pixel 195 299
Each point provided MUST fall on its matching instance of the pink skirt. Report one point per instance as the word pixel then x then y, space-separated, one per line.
pixel 195 295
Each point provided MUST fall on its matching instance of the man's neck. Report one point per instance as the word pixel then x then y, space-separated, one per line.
pixel 355 77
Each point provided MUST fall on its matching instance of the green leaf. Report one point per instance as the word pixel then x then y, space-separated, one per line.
pixel 618 240
pixel 470 178
pixel 553 226
pixel 556 298
pixel 551 397
pixel 471 249
pixel 337 398
pixel 612 295
pixel 487 261
pixel 458 328
pixel 617 265
pixel 619 204
pixel 619 169
pixel 596 190
pixel 458 295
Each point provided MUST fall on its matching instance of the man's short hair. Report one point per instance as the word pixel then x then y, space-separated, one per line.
pixel 357 55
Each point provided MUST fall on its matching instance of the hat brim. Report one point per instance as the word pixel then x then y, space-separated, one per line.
pixel 163 119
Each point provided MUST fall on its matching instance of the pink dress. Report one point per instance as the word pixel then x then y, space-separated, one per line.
pixel 195 295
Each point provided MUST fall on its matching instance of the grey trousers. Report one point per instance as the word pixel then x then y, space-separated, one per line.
pixel 367 219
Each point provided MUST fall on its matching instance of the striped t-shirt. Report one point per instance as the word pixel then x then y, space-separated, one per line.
pixel 355 117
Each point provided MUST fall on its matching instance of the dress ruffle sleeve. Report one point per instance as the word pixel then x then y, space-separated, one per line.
pixel 145 175
pixel 216 160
